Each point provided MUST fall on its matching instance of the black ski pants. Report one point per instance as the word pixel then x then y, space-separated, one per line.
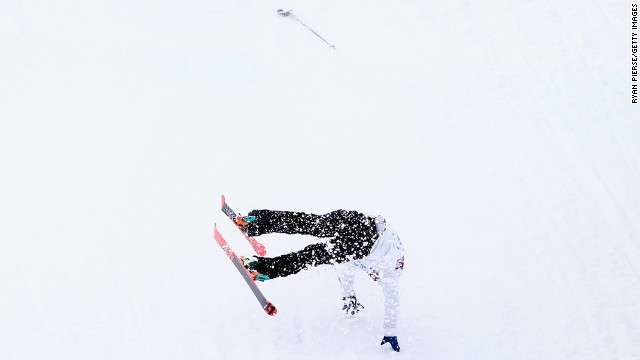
pixel 352 236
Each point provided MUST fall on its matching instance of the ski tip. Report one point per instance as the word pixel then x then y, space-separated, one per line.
pixel 222 200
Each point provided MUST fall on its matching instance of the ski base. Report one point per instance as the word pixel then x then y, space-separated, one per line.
pixel 267 306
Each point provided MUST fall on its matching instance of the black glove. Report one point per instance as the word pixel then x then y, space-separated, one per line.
pixel 393 340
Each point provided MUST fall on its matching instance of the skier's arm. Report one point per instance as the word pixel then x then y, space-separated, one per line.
pixel 346 274
pixel 389 286
pixel 391 304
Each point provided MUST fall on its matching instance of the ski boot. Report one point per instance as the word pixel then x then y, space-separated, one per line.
pixel 244 220
pixel 247 224
pixel 249 264
pixel 351 307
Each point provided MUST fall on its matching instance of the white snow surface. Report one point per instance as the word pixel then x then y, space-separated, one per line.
pixel 496 137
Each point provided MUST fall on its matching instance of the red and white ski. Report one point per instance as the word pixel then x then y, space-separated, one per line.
pixel 267 306
pixel 257 246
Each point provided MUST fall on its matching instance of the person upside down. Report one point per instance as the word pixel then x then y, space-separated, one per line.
pixel 355 241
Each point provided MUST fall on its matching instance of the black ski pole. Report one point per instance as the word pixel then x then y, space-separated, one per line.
pixel 289 13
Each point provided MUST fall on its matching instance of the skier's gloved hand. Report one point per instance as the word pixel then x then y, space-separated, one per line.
pixel 393 340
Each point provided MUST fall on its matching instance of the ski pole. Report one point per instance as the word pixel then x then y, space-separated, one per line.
pixel 289 13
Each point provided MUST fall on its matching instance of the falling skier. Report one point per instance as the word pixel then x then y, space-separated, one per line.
pixel 356 241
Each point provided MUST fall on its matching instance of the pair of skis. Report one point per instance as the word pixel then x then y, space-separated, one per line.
pixel 267 306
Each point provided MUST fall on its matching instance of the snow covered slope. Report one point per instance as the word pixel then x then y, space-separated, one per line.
pixel 496 137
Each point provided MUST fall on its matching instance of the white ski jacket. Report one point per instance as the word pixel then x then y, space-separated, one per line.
pixel 384 265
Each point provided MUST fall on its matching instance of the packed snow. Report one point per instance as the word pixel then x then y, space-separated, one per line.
pixel 497 138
